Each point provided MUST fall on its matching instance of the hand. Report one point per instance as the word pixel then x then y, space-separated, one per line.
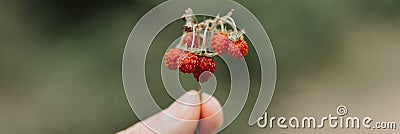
pixel 180 118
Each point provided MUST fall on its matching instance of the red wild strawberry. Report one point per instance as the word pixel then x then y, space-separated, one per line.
pixel 187 39
pixel 202 76
pixel 238 49
pixel 234 51
pixel 244 48
pixel 220 43
pixel 188 63
pixel 171 58
pixel 205 68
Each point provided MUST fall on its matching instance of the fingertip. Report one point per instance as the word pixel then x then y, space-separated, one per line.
pixel 185 107
pixel 179 117
pixel 211 115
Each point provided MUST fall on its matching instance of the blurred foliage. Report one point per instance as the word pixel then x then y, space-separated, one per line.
pixel 60 60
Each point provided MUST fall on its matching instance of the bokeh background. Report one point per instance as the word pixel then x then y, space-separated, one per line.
pixel 60 63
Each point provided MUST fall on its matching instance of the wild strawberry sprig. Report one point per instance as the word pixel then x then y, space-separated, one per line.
pixel 201 41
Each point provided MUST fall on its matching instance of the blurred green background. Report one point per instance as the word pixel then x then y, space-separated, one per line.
pixel 60 62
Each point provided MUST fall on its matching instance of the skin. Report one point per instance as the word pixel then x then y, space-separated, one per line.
pixel 183 118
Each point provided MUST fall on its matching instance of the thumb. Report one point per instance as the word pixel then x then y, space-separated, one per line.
pixel 180 117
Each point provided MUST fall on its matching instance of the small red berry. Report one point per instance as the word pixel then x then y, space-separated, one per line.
pixel 234 51
pixel 205 68
pixel 202 76
pixel 187 39
pixel 171 58
pixel 244 48
pixel 188 63
pixel 238 49
pixel 220 43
